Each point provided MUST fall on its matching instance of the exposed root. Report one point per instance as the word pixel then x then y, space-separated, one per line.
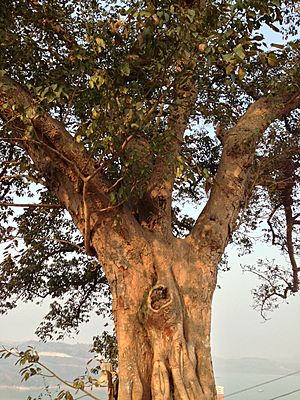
pixel 183 371
pixel 160 382
pixel 175 365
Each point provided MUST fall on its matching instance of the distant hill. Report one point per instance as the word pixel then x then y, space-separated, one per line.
pixel 66 360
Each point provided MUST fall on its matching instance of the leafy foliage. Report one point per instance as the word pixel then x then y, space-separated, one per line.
pixel 113 72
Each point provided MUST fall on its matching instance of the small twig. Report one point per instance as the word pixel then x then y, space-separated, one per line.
pixel 111 207
pixel 289 240
pixel 274 236
pixel 8 122
pixel 115 184
pixel 69 106
pixel 49 148
pixel 19 176
pixel 12 162
pixel 61 156
pixel 46 21
pixel 63 241
pixel 17 354
pixel 85 180
pixel 41 205
pixel 54 375
pixel 87 216
pixel 125 143
pixel 86 210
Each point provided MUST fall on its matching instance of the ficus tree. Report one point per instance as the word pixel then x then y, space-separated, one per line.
pixel 117 115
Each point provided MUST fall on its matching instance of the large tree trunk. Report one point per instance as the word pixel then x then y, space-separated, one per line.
pixel 162 296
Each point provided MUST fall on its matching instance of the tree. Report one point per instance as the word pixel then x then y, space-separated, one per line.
pixel 105 108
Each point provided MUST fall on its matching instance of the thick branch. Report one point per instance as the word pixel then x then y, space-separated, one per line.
pixel 163 175
pixel 15 100
pixel 288 172
pixel 217 221
pixel 45 21
pixel 66 166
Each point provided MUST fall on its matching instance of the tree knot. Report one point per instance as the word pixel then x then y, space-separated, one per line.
pixel 159 297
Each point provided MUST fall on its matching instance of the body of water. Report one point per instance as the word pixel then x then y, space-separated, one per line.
pixel 237 382
pixel 232 382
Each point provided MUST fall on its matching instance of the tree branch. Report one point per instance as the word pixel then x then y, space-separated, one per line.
pixel 20 176
pixel 162 179
pixel 15 101
pixel 45 21
pixel 55 152
pixel 216 223
pixel 41 205
pixel 269 222
pixel 288 172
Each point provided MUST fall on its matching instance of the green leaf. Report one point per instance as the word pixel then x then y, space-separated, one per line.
pixel 272 60
pixel 239 51
pixel 100 81
pixel 241 73
pixel 100 42
pixel 227 57
pixel 191 15
pixel 44 92
pixel 30 112
pixel 125 69
pixel 112 198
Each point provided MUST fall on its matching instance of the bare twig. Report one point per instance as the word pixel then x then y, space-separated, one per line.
pixel 19 176
pixel 115 184
pixel 289 241
pixel 41 205
pixel 66 383
pixel 269 221
pixel 62 241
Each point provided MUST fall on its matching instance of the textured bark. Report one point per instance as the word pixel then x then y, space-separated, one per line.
pixel 162 295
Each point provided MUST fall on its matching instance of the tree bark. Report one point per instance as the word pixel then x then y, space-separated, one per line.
pixel 162 294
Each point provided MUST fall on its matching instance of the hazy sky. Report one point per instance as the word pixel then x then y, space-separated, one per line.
pixel 240 331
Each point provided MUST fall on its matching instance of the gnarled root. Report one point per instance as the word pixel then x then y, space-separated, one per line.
pixel 174 373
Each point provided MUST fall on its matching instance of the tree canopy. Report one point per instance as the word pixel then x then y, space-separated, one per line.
pixel 145 90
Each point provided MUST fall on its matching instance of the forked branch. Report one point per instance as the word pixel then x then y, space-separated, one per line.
pixel 216 223
pixel 163 175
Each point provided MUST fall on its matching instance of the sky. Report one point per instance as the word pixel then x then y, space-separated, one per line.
pixel 240 331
